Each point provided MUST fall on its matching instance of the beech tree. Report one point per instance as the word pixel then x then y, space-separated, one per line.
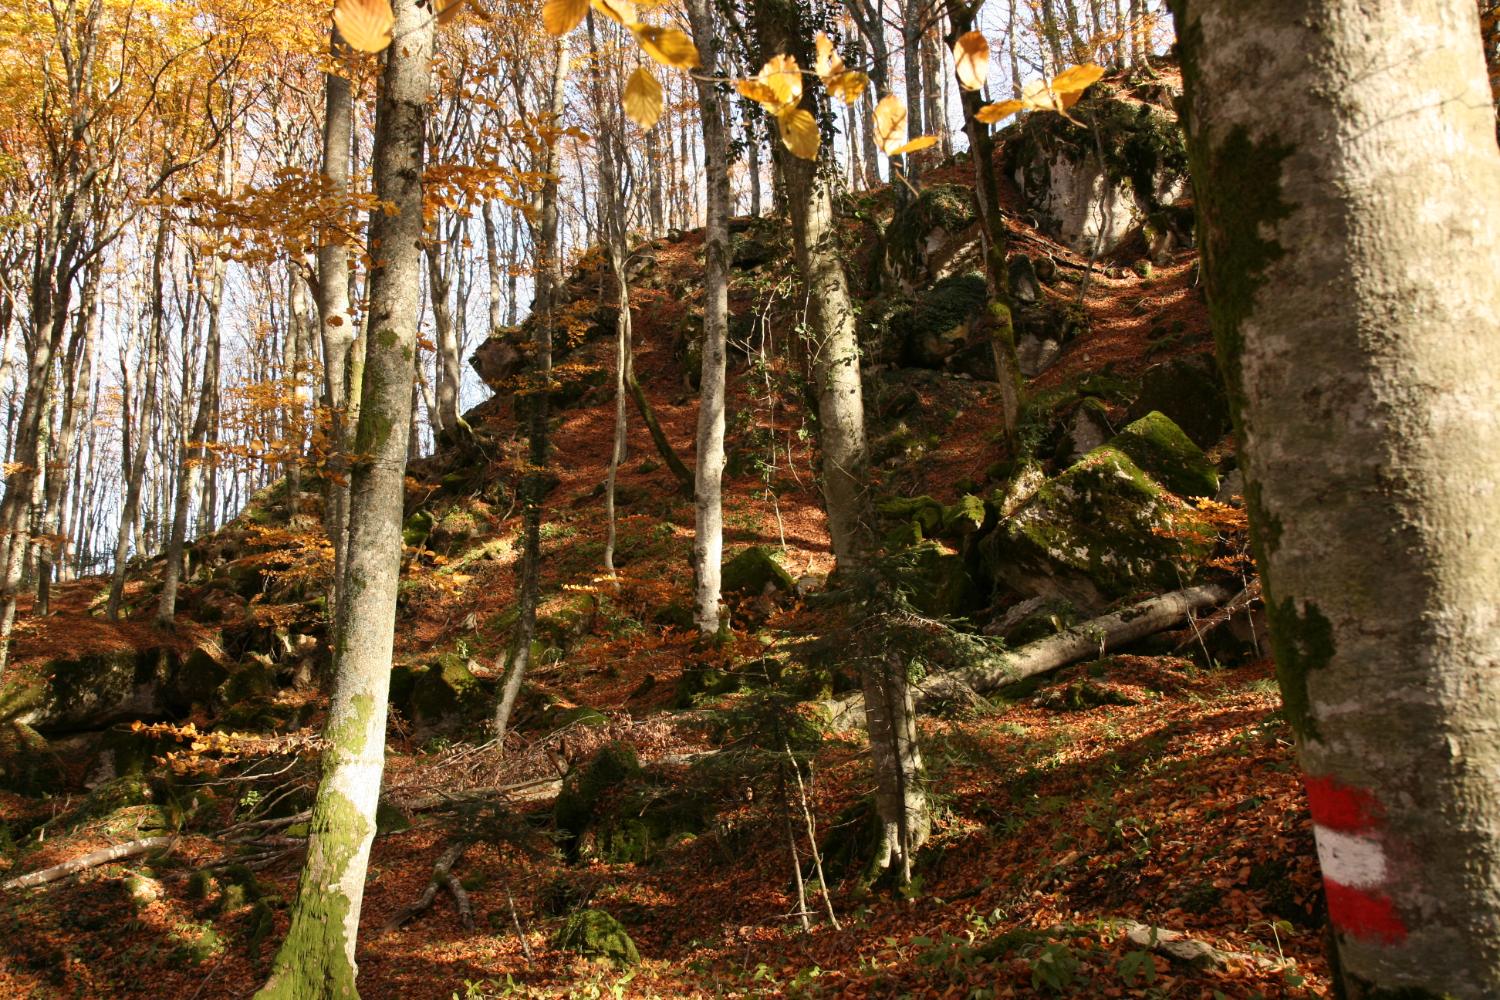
pixel 316 959
pixel 1348 185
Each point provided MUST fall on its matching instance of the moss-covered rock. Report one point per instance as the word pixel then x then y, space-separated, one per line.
pixel 1101 531
pixel 939 329
pixel 922 227
pixel 585 788
pixel 756 570
pixel 416 529
pixel 915 518
pixel 596 934
pixel 97 690
pixel 1159 447
pixel 965 517
pixel 445 694
pixel 556 717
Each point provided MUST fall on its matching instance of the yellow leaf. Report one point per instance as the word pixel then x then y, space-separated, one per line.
pixel 920 142
pixel 799 132
pixel 447 10
pixel 619 11
pixel 667 46
pixel 365 24
pixel 783 78
pixel 561 16
pixel 847 86
pixel 828 61
pixel 991 113
pixel 890 123
pixel 1077 79
pixel 757 92
pixel 642 98
pixel 971 60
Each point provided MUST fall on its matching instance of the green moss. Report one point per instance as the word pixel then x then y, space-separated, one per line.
pixel 1100 531
pixel 755 569
pixel 965 517
pixel 935 580
pixel 579 800
pixel 313 958
pixel 949 207
pixel 596 934
pixel 1159 447
pixel 1302 643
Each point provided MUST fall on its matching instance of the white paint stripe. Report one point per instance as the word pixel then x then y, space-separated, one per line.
pixel 1357 862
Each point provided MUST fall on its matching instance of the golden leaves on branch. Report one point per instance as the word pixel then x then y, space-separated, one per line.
pixel 618 11
pixel 971 60
pixel 642 98
pixel 842 82
pixel 890 128
pixel 1058 96
pixel 778 88
pixel 365 24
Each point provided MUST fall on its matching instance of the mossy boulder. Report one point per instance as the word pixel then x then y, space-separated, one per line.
pixel 914 518
pixel 939 331
pixel 595 934
pixel 756 570
pixel 1101 531
pixel 1189 391
pixel 444 695
pixel 966 517
pixel 416 529
pixel 97 690
pixel 924 227
pixel 585 788
pixel 556 717
pixel 1159 447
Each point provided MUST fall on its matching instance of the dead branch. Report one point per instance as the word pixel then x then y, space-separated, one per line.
pixel 93 859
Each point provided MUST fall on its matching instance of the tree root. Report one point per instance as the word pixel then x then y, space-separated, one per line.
pixel 442 877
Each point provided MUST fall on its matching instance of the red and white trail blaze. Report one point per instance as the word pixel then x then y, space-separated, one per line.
pixel 1348 826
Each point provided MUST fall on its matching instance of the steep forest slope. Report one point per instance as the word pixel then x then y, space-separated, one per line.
pixel 646 831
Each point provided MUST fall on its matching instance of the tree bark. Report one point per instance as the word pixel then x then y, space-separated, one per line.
pixel 708 469
pixel 1335 144
pixel 901 800
pixel 316 960
pixel 548 268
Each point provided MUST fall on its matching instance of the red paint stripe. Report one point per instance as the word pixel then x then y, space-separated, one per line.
pixel 1339 807
pixel 1364 914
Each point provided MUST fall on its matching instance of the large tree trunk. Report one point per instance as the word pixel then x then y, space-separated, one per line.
pixel 316 960
pixel 1348 184
pixel 834 346
pixel 708 470
pixel 548 267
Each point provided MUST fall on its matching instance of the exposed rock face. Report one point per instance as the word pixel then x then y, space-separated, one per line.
pixel 1092 204
pixel 931 237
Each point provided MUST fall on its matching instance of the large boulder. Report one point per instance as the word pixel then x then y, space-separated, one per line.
pixel 1100 531
pixel 99 689
pixel 1159 447
pixel 597 935
pixel 940 330
pixel 929 236
pixel 1089 203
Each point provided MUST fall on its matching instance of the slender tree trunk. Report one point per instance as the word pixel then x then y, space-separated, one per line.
pixel 131 509
pixel 335 325
pixel 708 471
pixel 548 268
pixel 1365 390
pixel 834 346
pixel 316 960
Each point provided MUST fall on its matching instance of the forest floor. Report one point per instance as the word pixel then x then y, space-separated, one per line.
pixel 1175 803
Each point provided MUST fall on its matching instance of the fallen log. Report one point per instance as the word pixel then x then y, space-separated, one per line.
pixel 93 859
pixel 1092 638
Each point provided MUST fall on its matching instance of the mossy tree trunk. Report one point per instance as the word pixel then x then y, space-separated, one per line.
pixel 1348 183
pixel 316 960
pixel 708 470
pixel 833 346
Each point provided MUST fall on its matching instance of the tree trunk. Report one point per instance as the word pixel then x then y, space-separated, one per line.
pixel 548 268
pixel 335 325
pixel 708 469
pixel 900 797
pixel 136 471
pixel 1365 388
pixel 316 960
